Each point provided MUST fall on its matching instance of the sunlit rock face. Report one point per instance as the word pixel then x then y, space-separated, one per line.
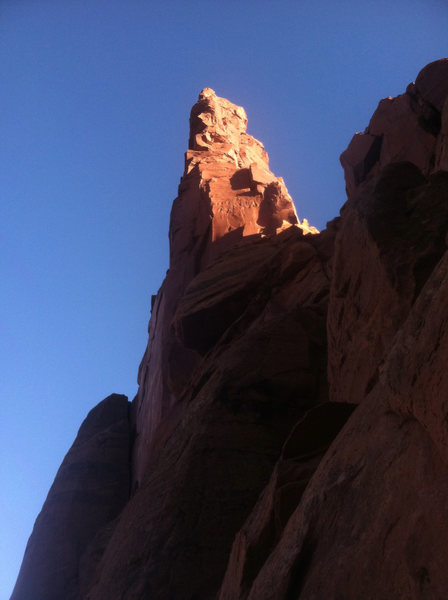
pixel 227 194
pixel 290 431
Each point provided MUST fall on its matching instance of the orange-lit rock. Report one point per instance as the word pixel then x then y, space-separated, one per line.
pixel 226 194
pixel 291 423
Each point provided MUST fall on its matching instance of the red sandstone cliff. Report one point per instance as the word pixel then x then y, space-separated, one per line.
pixel 226 194
pixel 252 477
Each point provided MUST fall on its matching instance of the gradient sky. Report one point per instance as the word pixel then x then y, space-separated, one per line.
pixel 94 105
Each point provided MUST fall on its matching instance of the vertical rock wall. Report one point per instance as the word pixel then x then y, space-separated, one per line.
pixel 252 477
pixel 226 194
pixel 372 520
pixel 392 229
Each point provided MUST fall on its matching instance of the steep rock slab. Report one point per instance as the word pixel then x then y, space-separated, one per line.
pixel 373 522
pixel 392 233
pixel 301 455
pixel 442 141
pixel 392 230
pixel 263 366
pixel 229 288
pixel 421 349
pixel 227 193
pixel 89 491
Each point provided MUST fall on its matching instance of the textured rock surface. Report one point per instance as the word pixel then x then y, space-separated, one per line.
pixel 372 521
pixel 253 477
pixel 441 162
pixel 393 229
pixel 259 316
pixel 403 129
pixel 379 497
pixel 227 193
pixel 301 455
pixel 89 491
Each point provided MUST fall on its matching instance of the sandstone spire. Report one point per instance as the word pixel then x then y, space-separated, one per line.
pixel 114 527
pixel 226 194
pixel 227 191
pixel 292 431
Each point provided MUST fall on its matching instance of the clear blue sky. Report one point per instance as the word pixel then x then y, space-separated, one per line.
pixel 94 104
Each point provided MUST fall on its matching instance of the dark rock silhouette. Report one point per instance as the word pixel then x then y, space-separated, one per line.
pixel 89 491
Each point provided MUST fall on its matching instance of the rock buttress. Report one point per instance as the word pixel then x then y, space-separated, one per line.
pixel 369 520
pixel 259 316
pixel 392 234
pixel 246 297
pixel 255 480
pixel 89 491
pixel 227 194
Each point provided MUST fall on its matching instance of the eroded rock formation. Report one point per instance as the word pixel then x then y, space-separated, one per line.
pixel 290 434
pixel 372 521
pixel 227 194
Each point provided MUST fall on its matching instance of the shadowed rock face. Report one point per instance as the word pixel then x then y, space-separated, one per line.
pixel 372 520
pixel 394 229
pixel 89 491
pixel 378 499
pixel 252 476
pixel 259 314
pixel 300 457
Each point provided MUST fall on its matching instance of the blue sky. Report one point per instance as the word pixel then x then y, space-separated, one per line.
pixel 94 105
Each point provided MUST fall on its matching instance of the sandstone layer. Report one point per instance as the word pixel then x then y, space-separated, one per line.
pixel 290 434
